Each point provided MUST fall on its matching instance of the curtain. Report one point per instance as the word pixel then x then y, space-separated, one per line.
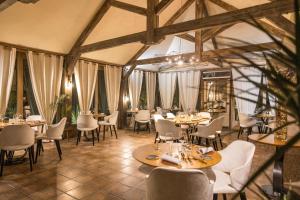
pixel 150 88
pixel 167 83
pixel 45 74
pixel 7 65
pixel 135 81
pixel 85 78
pixel 246 93
pixel 189 82
pixel 112 77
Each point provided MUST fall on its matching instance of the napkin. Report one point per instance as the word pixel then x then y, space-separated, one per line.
pixel 205 150
pixel 171 159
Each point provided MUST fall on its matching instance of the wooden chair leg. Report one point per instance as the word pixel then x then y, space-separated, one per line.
pixel 104 132
pixel 249 132
pixel 156 136
pixel 98 133
pixel 38 150
pixel 114 126
pixel 240 132
pixel 111 134
pixel 215 197
pixel 224 197
pixel 58 148
pixel 30 157
pixel 243 196
pixel 2 154
pixel 93 136
pixel 78 136
pixel 220 139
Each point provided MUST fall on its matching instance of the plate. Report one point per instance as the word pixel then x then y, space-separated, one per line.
pixel 152 157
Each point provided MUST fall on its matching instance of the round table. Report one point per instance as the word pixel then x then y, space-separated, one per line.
pixel 142 152
pixel 277 187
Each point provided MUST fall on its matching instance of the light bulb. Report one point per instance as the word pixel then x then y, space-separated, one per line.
pixel 180 62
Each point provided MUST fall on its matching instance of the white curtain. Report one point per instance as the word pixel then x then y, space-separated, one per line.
pixel 112 77
pixel 167 83
pixel 7 65
pixel 85 78
pixel 188 82
pixel 135 81
pixel 245 90
pixel 45 74
pixel 150 87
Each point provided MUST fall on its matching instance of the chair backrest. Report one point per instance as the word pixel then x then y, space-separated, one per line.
pixel 167 128
pixel 86 121
pixel 16 135
pixel 204 114
pixel 211 129
pixel 113 119
pixel 237 160
pixel 178 184
pixel 156 117
pixel 56 131
pixel 170 115
pixel 243 118
pixel 143 115
pixel 35 118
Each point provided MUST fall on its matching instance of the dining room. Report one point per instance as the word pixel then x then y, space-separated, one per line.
pixel 149 99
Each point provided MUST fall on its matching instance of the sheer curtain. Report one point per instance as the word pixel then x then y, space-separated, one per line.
pixel 135 81
pixel 188 82
pixel 167 88
pixel 7 65
pixel 112 77
pixel 45 74
pixel 150 87
pixel 244 90
pixel 85 78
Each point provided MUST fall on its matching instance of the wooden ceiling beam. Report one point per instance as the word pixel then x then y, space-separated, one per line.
pixel 129 7
pixel 187 37
pixel 228 18
pixel 212 54
pixel 228 7
pixel 163 4
pixel 74 53
pixel 6 3
pixel 283 23
pixel 199 13
pixel 152 22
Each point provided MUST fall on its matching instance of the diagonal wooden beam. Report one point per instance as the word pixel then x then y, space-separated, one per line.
pixel 129 7
pixel 212 54
pixel 187 37
pixel 6 3
pixel 283 23
pixel 228 7
pixel 74 53
pixel 163 4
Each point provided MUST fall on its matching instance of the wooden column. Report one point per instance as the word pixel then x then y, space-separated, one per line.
pixel 96 95
pixel 198 34
pixel 20 82
pixel 152 21
pixel 121 106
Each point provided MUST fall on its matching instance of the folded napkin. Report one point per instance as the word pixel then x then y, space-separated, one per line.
pixel 171 159
pixel 205 150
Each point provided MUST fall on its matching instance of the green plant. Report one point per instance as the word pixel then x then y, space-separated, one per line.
pixel 75 114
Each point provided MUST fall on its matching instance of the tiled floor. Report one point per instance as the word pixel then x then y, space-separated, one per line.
pixel 104 171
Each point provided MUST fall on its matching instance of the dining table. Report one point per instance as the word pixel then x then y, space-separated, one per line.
pixel 195 159
pixel 13 159
pixel 275 190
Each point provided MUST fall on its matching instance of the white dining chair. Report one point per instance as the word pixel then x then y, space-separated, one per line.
pixel 85 124
pixel 54 132
pixel 234 169
pixel 111 122
pixel 246 123
pixel 210 132
pixel 204 115
pixel 37 129
pixel 142 118
pixel 178 184
pixel 16 138
pixel 156 117
pixel 167 130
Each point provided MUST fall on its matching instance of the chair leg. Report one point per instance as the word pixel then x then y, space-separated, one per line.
pixel 220 139
pixel 2 154
pixel 156 136
pixel 58 148
pixel 224 197
pixel 32 154
pixel 249 132
pixel 38 149
pixel 111 134
pixel 134 126
pixel 93 135
pixel 97 131
pixel 30 157
pixel 215 197
pixel 240 132
pixel 78 136
pixel 148 127
pixel 243 196
pixel 114 126
pixel 104 132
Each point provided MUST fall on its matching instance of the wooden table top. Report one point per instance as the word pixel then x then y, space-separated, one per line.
pixel 142 152
pixel 264 115
pixel 32 123
pixel 269 140
pixel 195 120
pixel 99 115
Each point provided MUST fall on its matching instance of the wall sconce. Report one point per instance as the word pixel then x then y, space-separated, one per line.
pixel 68 83
pixel 126 99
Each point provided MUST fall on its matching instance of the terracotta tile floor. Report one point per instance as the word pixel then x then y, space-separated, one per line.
pixel 105 171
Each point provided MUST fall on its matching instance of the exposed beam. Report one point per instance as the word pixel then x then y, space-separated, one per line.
pixel 187 37
pixel 163 4
pixel 74 53
pixel 212 54
pixel 198 33
pixel 6 3
pixel 273 30
pixel 152 22
pixel 284 24
pixel 129 7
pixel 228 18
